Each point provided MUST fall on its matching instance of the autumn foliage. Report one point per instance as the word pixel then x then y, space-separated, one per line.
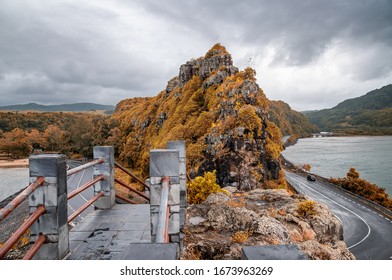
pixel 202 186
pixel 353 183
pixel 68 133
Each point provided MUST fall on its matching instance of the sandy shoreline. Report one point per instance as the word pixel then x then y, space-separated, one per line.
pixel 14 163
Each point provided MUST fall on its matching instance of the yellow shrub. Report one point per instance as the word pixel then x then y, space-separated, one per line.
pixel 202 186
pixel 306 208
pixel 241 236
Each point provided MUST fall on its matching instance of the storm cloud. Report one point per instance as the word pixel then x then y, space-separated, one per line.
pixel 310 54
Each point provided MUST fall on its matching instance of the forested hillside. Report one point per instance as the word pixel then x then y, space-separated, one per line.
pixel 368 114
pixel 75 107
pixel 290 121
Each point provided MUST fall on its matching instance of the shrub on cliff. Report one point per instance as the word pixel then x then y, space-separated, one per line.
pixel 202 186
pixel 353 183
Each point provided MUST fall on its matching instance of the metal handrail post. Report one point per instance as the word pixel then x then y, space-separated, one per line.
pixel 163 218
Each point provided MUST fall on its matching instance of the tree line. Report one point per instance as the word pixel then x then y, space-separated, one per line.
pixel 73 134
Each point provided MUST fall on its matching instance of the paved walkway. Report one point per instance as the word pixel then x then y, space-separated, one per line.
pixel 110 234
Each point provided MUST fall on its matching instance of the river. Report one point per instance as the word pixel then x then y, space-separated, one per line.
pixel 329 157
pixel 12 180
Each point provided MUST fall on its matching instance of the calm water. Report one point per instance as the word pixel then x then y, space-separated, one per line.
pixel 333 157
pixel 12 180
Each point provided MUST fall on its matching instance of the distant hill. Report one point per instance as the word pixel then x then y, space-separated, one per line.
pixel 290 121
pixel 367 114
pixel 75 107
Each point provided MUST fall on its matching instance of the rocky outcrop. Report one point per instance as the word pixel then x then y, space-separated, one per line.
pixel 220 63
pixel 220 226
pixel 220 112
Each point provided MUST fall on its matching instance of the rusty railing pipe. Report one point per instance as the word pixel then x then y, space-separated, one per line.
pixel 21 230
pixel 131 189
pixel 84 207
pixel 163 217
pixel 131 174
pixel 85 186
pixel 125 199
pixel 36 246
pixel 4 212
pixel 84 166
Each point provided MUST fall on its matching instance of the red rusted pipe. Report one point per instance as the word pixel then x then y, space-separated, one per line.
pixel 36 246
pixel 132 175
pixel 132 189
pixel 4 212
pixel 125 199
pixel 84 207
pixel 167 225
pixel 162 235
pixel 85 186
pixel 19 232
pixel 84 166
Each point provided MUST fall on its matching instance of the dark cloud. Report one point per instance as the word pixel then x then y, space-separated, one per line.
pixel 74 51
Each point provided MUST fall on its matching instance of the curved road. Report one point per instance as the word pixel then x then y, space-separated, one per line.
pixel 367 233
pixel 75 181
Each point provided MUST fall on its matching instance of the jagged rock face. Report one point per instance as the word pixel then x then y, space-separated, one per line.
pixel 237 160
pixel 220 112
pixel 203 67
pixel 263 217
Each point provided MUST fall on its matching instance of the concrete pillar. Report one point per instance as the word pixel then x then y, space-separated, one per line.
pixel 53 195
pixel 165 163
pixel 180 147
pixel 107 170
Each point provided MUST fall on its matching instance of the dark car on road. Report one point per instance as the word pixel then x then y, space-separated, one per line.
pixel 311 178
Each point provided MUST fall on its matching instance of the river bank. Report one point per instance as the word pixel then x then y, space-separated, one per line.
pixel 14 163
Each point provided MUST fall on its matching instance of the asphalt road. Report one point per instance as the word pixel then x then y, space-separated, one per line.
pixel 367 233
pixel 75 181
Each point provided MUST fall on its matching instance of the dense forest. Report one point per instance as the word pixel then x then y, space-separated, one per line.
pixel 368 114
pixel 73 134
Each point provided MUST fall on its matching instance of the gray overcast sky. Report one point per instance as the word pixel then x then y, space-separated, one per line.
pixel 310 54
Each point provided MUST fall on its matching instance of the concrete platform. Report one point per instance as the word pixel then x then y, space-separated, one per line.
pixel 273 252
pixel 110 234
pixel 152 251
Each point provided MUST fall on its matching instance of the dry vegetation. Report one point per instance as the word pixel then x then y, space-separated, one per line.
pixel 353 183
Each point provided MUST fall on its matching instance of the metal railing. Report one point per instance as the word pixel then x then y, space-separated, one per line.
pixel 4 212
pixel 84 187
pixel 41 239
pixel 22 229
pixel 163 218
pixel 132 189
pixel 84 207
pixel 84 166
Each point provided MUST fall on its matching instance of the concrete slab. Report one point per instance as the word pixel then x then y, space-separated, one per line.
pixel 273 252
pixel 152 251
pixel 106 234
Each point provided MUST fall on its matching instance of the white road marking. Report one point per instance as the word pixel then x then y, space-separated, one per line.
pixel 369 230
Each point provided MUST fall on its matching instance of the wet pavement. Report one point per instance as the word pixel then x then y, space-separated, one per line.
pixel 109 234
